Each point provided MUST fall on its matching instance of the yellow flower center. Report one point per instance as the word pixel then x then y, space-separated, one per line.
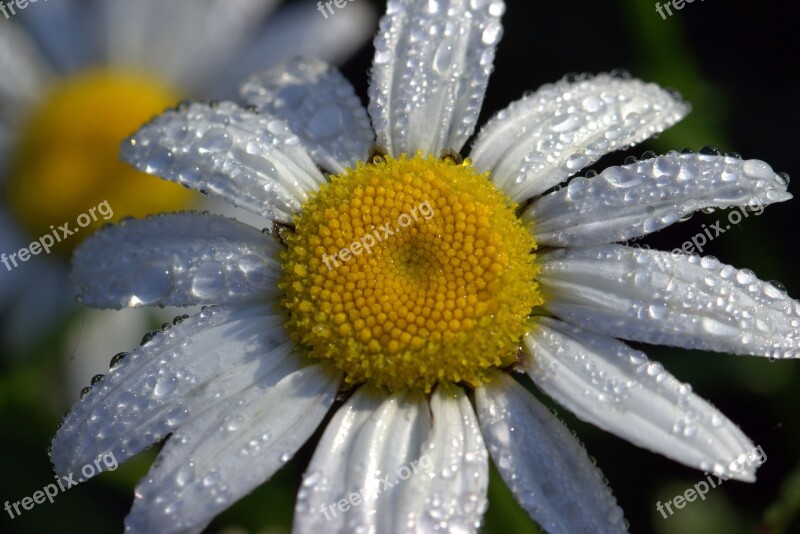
pixel 408 272
pixel 66 161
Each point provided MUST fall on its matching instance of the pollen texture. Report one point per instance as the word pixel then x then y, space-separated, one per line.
pixel 408 272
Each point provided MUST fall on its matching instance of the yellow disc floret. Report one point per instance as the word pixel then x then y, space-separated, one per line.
pixel 409 272
pixel 66 161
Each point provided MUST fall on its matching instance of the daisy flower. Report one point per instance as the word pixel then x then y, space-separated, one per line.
pixel 80 76
pixel 410 285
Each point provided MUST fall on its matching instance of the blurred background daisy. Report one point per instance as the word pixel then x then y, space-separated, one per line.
pixel 735 63
pixel 79 76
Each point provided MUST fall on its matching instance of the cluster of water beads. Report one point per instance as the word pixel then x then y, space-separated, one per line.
pixel 708 150
pixel 591 117
pixel 118 358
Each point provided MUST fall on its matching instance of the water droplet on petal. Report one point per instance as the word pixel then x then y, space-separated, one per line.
pixel 208 281
pixel 153 281
pixel 492 33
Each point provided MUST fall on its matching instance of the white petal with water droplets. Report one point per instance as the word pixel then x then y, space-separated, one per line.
pixel 250 160
pixel 320 106
pixel 608 384
pixel 215 460
pixel 634 200
pixel 432 65
pixel 540 140
pixel 173 378
pixel 547 469
pixel 360 459
pixel 671 299
pixel 177 259
pixel 448 491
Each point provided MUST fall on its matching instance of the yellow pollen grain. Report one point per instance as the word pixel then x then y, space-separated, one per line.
pixel 66 160
pixel 409 272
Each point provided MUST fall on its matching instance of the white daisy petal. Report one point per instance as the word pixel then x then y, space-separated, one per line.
pixel 173 378
pixel 179 259
pixel 431 68
pixel 218 458
pixel 634 200
pixel 547 469
pixel 670 299
pixel 540 140
pixel 448 493
pixel 294 31
pixel 320 106
pixel 253 161
pixel 359 462
pixel 19 55
pixel 608 384
pixel 65 31
pixel 181 40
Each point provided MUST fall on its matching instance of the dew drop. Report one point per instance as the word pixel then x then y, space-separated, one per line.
pixel 775 289
pixel 326 123
pixel 710 150
pixel 592 104
pixel 443 59
pixel 165 385
pixel 153 281
pixel 208 281
pixel 657 312
pixel 215 140
pixel 717 328
pixel 117 359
